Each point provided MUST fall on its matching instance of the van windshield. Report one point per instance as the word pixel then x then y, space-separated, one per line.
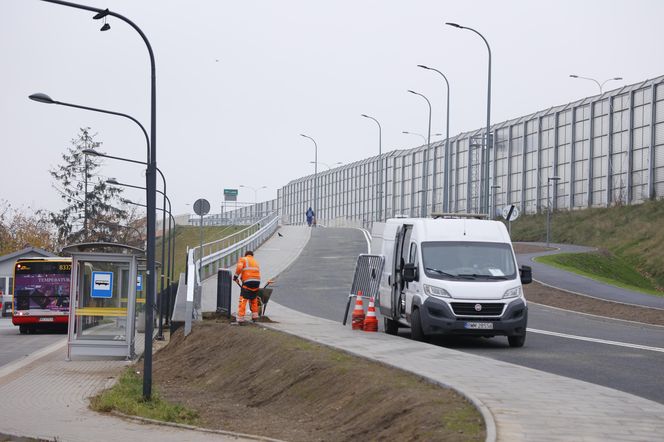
pixel 468 260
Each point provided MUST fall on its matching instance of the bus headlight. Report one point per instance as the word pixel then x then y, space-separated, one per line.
pixel 512 293
pixel 435 291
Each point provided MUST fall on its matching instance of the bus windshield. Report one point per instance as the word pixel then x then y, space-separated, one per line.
pixel 42 286
pixel 458 260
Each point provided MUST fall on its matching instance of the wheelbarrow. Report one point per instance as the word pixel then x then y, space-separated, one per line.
pixel 264 294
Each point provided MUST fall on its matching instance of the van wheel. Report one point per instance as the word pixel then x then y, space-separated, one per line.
pixel 391 326
pixel 416 327
pixel 517 341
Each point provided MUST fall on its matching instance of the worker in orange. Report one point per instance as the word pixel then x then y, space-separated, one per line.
pixel 248 271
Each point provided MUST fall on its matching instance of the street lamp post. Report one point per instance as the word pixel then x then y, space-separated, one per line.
pixel 255 189
pixel 424 139
pixel 329 167
pixel 96 153
pixel 425 161
pixel 548 207
pixel 380 168
pixel 113 181
pixel 316 215
pixel 494 188
pixel 489 141
pixel 151 180
pixel 599 85
pixel 121 226
pixel 446 182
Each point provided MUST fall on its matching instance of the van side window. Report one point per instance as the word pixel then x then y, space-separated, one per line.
pixel 412 255
pixel 405 252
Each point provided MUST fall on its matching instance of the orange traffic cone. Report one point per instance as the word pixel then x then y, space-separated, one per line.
pixel 358 313
pixel 371 321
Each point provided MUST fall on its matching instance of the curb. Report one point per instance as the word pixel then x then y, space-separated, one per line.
pixel 489 422
pixel 595 297
pixel 145 420
pixel 10 368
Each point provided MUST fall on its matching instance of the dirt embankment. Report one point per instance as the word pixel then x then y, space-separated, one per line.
pixel 253 380
pixel 541 294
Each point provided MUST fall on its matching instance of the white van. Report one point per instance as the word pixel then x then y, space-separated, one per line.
pixel 451 275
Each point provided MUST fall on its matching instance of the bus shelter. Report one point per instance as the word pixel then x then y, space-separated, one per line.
pixel 106 288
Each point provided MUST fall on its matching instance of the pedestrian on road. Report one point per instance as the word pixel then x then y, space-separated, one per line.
pixel 310 216
pixel 248 271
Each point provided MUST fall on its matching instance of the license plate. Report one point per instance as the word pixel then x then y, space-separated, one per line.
pixel 45 319
pixel 479 325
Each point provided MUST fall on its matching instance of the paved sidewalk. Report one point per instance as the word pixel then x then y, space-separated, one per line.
pixel 48 399
pixel 580 284
pixel 518 403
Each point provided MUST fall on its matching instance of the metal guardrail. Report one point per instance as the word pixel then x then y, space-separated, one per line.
pixel 225 252
pixel 221 254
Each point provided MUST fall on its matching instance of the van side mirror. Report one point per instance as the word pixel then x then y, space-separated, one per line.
pixel 410 273
pixel 526 274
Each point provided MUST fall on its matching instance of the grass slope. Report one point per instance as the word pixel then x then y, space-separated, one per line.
pixel 190 236
pixel 603 267
pixel 634 234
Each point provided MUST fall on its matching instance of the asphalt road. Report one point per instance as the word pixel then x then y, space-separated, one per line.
pixel 616 354
pixel 319 281
pixel 14 346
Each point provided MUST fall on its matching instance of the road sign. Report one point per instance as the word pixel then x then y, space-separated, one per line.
pixel 230 194
pixel 102 285
pixel 514 215
pixel 201 207
pixel 139 283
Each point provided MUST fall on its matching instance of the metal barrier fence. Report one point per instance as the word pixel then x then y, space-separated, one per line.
pixel 366 281
pixel 221 254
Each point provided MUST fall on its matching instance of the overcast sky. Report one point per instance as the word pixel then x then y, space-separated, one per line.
pixel 238 81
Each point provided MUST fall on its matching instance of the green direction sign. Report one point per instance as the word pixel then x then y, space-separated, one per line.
pixel 230 194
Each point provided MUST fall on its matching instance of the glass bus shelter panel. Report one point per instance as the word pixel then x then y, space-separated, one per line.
pixel 105 286
pixel 100 304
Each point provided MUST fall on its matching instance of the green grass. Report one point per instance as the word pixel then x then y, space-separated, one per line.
pixel 126 396
pixel 190 236
pixel 634 234
pixel 602 267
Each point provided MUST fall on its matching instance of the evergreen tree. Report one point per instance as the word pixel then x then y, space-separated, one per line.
pixel 90 204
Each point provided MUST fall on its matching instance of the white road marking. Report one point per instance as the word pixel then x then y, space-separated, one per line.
pixel 599 341
pixel 367 237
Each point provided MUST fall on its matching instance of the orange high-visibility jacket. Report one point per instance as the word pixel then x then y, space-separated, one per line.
pixel 247 269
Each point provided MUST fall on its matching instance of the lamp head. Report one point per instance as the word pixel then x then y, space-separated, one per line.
pixel 41 98
pixel 101 14
pixel 617 78
pixel 91 152
pixel 454 25
pixel 106 27
pixel 423 67
pixel 412 92
pixel 365 115
pixel 112 181
pixel 574 76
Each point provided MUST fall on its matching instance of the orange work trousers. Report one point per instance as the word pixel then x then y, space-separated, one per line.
pixel 242 308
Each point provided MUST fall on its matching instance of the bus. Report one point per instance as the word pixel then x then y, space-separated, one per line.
pixel 41 293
